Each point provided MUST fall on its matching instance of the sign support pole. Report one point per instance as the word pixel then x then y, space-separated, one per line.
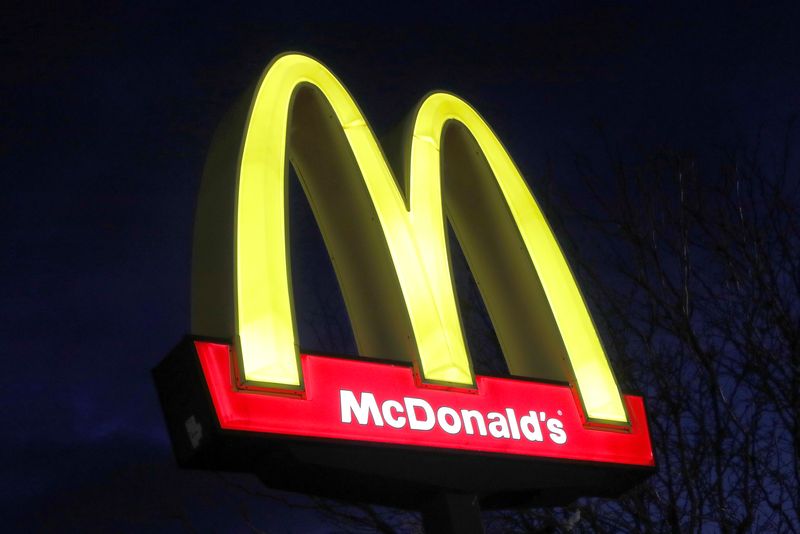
pixel 452 513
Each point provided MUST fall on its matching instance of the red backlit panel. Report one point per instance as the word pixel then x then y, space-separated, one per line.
pixel 380 402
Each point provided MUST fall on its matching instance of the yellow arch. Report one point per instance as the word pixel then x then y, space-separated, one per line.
pixel 592 374
pixel 264 310
pixel 414 235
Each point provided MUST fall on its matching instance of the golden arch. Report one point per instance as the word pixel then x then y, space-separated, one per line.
pixel 388 246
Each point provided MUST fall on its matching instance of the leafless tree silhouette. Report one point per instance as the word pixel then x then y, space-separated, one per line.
pixel 696 274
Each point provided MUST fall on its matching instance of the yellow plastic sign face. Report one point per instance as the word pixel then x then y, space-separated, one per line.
pixel 388 244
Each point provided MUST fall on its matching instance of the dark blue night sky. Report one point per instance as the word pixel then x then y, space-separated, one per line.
pixel 106 113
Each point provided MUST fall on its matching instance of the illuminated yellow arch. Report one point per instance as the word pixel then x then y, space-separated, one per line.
pixel 390 256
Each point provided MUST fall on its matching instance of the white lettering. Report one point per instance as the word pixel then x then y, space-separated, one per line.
pixel 386 409
pixel 413 422
pixel 530 427
pixel 512 422
pixel 498 426
pixel 473 415
pixel 418 414
pixel 362 410
pixel 557 433
pixel 441 416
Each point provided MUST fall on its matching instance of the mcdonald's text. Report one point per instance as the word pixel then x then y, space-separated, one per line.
pixel 421 416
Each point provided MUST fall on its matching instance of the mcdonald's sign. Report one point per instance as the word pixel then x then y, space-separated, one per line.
pixel 241 385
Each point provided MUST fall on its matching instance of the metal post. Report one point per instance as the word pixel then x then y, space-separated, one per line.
pixel 452 513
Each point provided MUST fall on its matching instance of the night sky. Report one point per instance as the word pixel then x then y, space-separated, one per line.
pixel 106 114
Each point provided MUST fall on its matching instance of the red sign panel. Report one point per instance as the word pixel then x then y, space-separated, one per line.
pixel 365 401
